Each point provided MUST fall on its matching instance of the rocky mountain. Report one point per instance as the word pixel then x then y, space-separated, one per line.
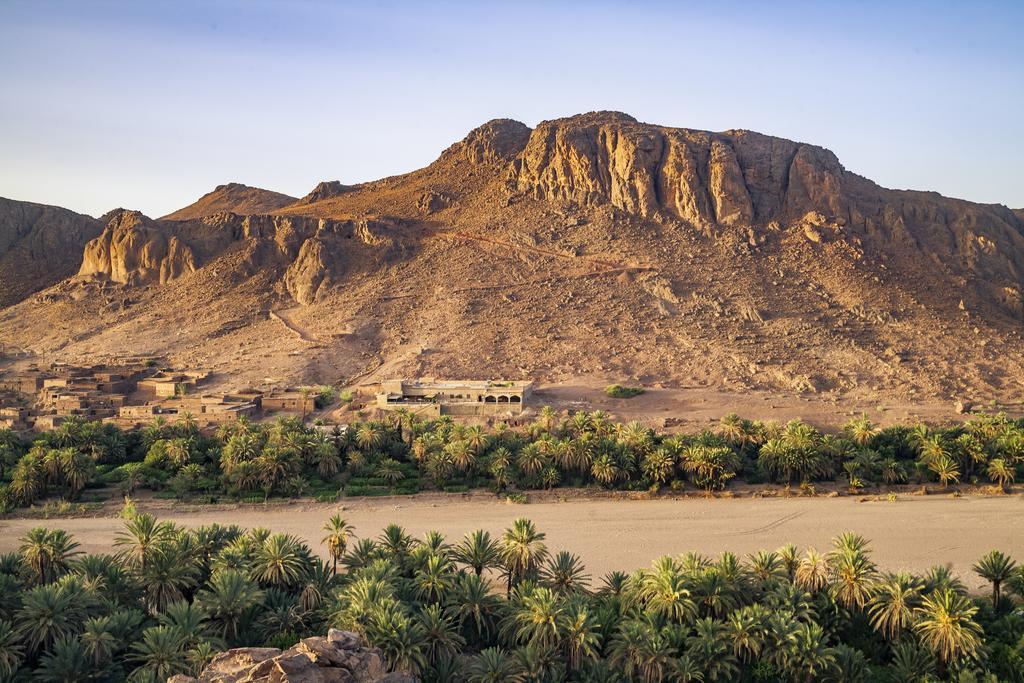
pixel 233 198
pixel 592 246
pixel 39 246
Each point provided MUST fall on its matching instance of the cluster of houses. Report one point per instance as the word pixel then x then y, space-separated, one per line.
pixel 129 396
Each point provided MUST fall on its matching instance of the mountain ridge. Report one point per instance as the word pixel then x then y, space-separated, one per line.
pixel 734 259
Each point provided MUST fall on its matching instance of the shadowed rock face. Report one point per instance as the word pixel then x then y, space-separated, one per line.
pixel 39 246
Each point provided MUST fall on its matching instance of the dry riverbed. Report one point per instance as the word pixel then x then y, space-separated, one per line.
pixel 913 532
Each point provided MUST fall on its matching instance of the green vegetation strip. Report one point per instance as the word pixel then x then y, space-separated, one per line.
pixel 484 609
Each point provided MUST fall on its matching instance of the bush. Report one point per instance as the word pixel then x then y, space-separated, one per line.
pixel 619 391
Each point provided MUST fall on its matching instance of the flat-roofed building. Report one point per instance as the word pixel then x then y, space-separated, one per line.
pixel 430 397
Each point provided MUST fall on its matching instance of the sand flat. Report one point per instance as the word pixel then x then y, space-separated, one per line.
pixel 912 533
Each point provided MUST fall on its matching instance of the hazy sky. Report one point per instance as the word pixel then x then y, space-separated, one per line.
pixel 148 105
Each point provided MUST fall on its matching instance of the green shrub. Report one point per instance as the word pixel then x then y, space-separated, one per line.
pixel 619 391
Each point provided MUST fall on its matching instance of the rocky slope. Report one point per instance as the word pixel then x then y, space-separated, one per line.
pixel 592 246
pixel 232 198
pixel 39 246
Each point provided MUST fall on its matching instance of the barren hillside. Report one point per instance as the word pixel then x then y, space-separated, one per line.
pixel 233 197
pixel 591 246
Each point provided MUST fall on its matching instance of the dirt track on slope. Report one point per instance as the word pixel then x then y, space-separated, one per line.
pixel 915 532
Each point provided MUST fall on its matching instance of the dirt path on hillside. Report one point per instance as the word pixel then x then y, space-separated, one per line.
pixel 915 532
pixel 284 318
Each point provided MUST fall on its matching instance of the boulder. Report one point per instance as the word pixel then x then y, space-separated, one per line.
pixel 340 657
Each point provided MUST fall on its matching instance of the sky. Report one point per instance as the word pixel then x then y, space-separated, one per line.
pixel 149 105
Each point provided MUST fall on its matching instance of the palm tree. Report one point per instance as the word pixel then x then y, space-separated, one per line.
pixel 49 613
pixel 853 576
pixel 1001 473
pixel 434 580
pixel 280 561
pixel 338 534
pixel 493 665
pixel 996 568
pixel 861 431
pixel 665 593
pixel 945 623
pixel 440 636
pixel 945 468
pixel 167 575
pixel 812 573
pixel 658 466
pixel 369 436
pixel 10 649
pixel 478 551
pixel 523 549
pixel 390 470
pixel 66 662
pixel 564 573
pixel 538 620
pixel 641 652
pixel 77 469
pixel 98 639
pixel 891 610
pixel 48 553
pixel 581 635
pixel 228 599
pixel 475 605
pixel 160 651
pixel 398 636
pixel 806 655
pixel 710 650
pixel 141 535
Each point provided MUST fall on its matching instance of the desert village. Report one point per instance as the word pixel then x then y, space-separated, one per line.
pixel 129 395
pixel 134 392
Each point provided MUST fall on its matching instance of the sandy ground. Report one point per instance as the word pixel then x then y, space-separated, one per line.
pixel 915 532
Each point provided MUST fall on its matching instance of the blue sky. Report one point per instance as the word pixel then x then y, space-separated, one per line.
pixel 148 105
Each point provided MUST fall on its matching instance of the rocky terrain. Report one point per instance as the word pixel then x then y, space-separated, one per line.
pixel 593 246
pixel 39 246
pixel 233 197
pixel 341 657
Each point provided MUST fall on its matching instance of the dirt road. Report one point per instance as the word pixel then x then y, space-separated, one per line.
pixel 913 533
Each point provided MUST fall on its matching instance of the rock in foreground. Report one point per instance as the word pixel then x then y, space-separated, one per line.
pixel 341 657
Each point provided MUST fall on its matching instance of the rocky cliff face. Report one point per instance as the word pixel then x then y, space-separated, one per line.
pixel 735 178
pixel 341 657
pixel 233 198
pixel 39 246
pixel 133 250
pixel 745 180
pixel 311 253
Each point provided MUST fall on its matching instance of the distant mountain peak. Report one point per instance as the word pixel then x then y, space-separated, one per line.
pixel 235 198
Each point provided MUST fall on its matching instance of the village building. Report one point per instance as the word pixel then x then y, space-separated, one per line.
pixel 289 401
pixel 429 397
pixel 165 384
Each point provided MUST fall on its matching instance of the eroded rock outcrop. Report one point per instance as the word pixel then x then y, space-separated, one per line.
pixel 134 250
pixel 497 141
pixel 734 178
pixel 327 189
pixel 341 657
